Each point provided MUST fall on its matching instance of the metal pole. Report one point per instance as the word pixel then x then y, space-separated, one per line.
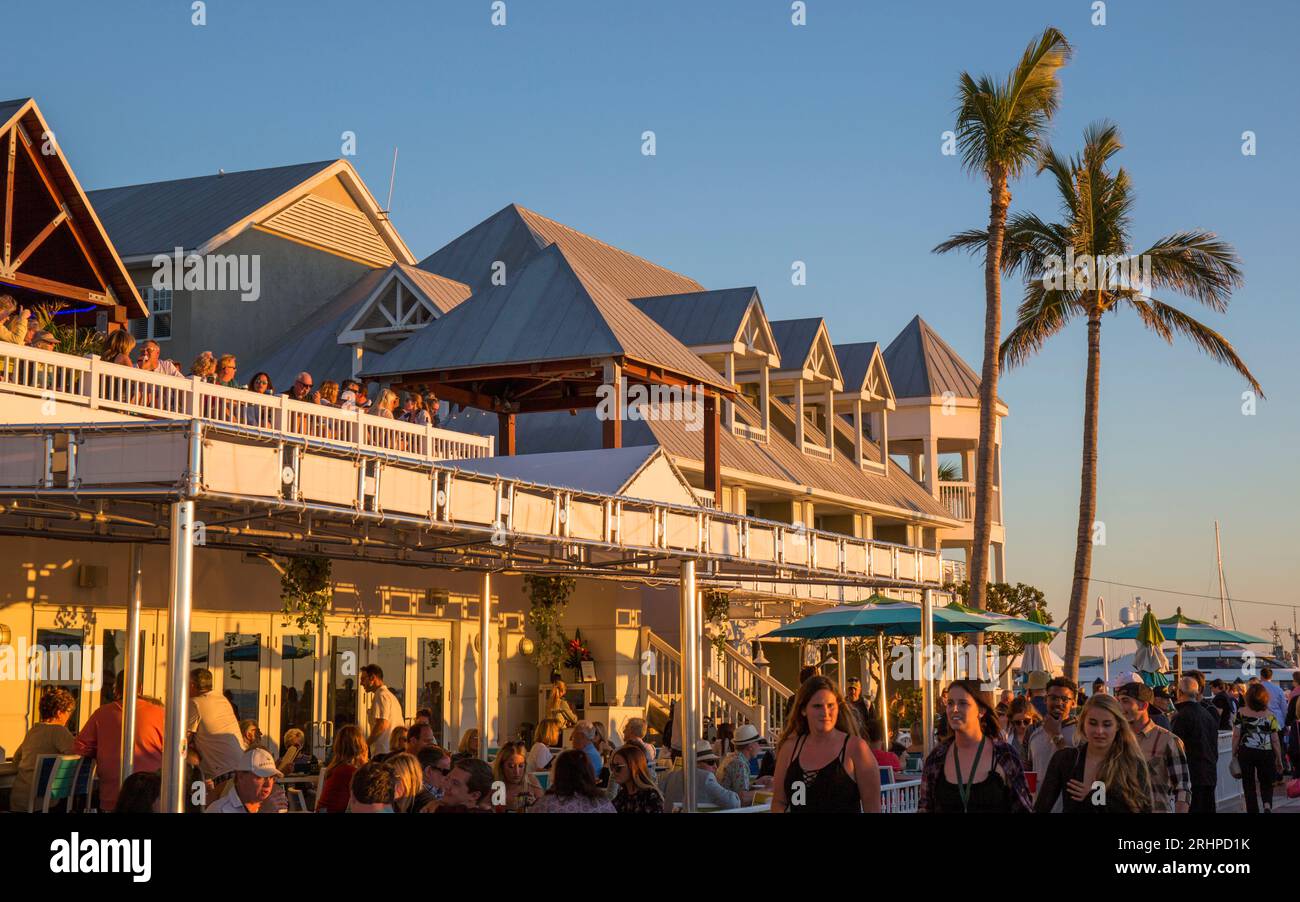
pixel 484 671
pixel 179 603
pixel 884 696
pixel 841 652
pixel 927 663
pixel 131 686
pixel 1218 553
pixel 690 713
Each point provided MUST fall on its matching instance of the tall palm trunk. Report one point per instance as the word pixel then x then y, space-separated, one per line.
pixel 1087 501
pixel 999 200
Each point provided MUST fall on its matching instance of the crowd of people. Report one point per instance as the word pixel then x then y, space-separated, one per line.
pixel 1050 749
pixel 121 347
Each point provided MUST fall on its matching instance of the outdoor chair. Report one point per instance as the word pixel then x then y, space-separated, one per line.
pixel 55 780
pixel 83 787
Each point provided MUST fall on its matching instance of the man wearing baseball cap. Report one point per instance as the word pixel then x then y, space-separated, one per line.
pixel 254 783
pixel 858 706
pixel 1171 780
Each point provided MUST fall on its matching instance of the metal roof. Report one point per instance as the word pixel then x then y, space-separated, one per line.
pixel 794 339
pixel 552 308
pixel 514 235
pixel 441 292
pixel 603 470
pixel 700 317
pixel 855 360
pixel 8 108
pixel 922 365
pixel 157 217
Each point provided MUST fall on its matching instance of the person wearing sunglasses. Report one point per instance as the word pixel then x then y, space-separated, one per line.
pixel 1022 718
pixel 301 388
pixel 435 762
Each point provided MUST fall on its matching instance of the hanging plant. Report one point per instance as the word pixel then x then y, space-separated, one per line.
pixel 548 596
pixel 305 590
pixel 717 606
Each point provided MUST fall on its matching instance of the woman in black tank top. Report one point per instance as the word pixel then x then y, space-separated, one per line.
pixel 806 779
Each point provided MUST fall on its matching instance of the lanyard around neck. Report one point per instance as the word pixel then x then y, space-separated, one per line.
pixel 964 784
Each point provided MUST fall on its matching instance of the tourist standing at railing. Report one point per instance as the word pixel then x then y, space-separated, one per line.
pixel 386 405
pixel 118 347
pixel 204 367
pixel 148 357
pixel 1106 774
pixel 14 321
pixel 328 394
pixel 973 771
pixel 227 366
pixel 301 388
pixel 413 411
pixel 822 766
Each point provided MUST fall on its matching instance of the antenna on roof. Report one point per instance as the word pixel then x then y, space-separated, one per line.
pixel 391 178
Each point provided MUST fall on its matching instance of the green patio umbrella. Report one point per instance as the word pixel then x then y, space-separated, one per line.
pixel 1179 629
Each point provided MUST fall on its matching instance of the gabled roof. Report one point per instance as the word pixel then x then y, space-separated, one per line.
pixel 57 236
pixel 805 342
pixel 431 296
pixel 201 213
pixel 611 471
pixel 863 366
pixel 922 365
pixel 514 235
pixel 550 309
pixel 699 318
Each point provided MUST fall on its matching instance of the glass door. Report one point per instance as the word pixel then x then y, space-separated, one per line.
pixel 296 681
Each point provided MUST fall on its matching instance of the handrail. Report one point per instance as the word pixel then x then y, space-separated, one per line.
pixel 766 679
pixel 97 384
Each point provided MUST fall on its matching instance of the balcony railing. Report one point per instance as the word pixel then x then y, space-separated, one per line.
pixel 95 384
pixel 959 498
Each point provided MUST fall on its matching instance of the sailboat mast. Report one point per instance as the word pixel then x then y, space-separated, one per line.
pixel 1218 553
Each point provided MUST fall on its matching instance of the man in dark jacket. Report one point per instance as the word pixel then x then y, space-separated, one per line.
pixel 1224 704
pixel 1199 731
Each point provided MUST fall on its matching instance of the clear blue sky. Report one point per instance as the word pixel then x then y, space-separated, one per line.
pixel 779 143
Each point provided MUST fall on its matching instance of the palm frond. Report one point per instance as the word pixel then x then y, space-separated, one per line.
pixel 1197 264
pixel 1042 314
pixel 1167 321
pixel 972 241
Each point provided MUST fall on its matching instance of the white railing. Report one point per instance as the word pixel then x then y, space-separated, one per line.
pixel 664 680
pixel 764 698
pixel 815 450
pixel 744 430
pixel 959 498
pixel 900 798
pixel 953 572
pixel 95 384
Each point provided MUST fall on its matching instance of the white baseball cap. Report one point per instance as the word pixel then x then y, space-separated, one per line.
pixel 259 761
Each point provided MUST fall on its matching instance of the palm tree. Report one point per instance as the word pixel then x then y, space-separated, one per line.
pixel 1096 206
pixel 1000 128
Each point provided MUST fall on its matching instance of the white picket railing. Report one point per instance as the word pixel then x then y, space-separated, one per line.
pixel 959 498
pixel 98 385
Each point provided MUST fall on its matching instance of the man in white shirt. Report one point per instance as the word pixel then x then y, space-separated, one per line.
pixel 385 709
pixel 213 730
pixel 708 791
pixel 254 783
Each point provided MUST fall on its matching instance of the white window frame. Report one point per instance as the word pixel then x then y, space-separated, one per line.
pixel 150 296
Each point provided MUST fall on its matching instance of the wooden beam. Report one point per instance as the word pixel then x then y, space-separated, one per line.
pixel 712 448
pixel 611 427
pixel 62 289
pixel 506 434
pixel 39 239
pixel 9 194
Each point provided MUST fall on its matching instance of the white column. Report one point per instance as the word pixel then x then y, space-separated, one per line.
pixel 884 438
pixel 764 397
pixel 484 670
pixel 798 414
pixel 830 419
pixel 857 431
pixel 131 687
pixel 729 407
pixel 842 652
pixel 932 466
pixel 179 604
pixel 691 677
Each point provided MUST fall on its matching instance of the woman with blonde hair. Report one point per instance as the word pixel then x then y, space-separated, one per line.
pixel 328 394
pixel 510 768
pixel 350 752
pixel 1106 774
pixel 409 783
pixel 557 706
pixel 545 738
pixel 469 743
pixel 397 739
pixel 205 367
pixel 118 348
pixel 822 764
pixel 386 404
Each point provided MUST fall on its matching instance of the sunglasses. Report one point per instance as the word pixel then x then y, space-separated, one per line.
pixel 1019 723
